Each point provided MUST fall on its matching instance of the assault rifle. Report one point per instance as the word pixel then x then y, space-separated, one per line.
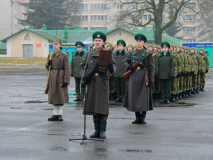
pixel 91 73
pixel 127 74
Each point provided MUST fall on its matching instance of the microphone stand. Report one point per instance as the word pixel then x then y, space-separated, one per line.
pixel 84 136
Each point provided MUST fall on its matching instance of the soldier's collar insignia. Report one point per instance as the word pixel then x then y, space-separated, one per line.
pixel 133 54
pixel 143 55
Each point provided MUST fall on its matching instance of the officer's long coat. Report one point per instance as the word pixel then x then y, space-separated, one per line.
pixel 138 96
pixel 97 95
pixel 57 94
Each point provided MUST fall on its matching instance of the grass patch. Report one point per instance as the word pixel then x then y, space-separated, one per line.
pixel 27 61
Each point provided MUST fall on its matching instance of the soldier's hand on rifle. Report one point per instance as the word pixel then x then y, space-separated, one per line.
pixel 131 68
pixel 64 85
pixel 49 62
pixel 110 66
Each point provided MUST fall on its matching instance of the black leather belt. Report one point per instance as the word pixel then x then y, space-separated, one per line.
pixel 55 68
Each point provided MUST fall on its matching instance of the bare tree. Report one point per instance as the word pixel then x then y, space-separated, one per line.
pixel 205 18
pixel 163 13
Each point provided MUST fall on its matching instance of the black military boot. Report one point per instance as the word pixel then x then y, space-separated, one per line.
pixel 143 116
pixel 167 101
pixel 96 134
pixel 194 91
pixel 60 118
pixel 180 96
pixel 53 118
pixel 202 88
pixel 163 101
pixel 176 97
pixel 103 129
pixel 156 96
pixel 183 94
pixel 186 93
pixel 173 98
pixel 122 100
pixel 189 92
pixel 118 100
pixel 197 90
pixel 137 120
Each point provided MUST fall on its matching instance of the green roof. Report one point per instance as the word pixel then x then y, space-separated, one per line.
pixel 85 36
pixel 3 46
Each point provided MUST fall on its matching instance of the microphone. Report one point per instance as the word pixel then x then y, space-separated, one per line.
pixel 91 46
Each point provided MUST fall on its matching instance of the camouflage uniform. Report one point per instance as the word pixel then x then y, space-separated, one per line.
pixel 194 71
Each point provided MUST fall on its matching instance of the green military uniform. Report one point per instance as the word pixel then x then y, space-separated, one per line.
pixel 194 71
pixel 76 60
pixel 189 80
pixel 165 70
pixel 119 78
pixel 200 63
pixel 205 68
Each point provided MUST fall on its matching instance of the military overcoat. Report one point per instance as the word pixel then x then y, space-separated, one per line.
pixel 138 96
pixel 97 95
pixel 60 68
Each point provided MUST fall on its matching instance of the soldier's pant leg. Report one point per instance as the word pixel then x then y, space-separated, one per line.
pixel 100 117
pixel 118 87
pixel 174 85
pixel 198 80
pixel 122 81
pixel 165 88
pixel 184 83
pixel 112 85
pixel 178 87
pixel 153 87
pixel 190 83
pixel 58 109
pixel 194 81
pixel 157 85
pixel 181 83
pixel 203 79
pixel 82 92
pixel 77 87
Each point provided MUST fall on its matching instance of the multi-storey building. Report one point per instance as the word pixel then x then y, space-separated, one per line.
pixel 5 11
pixel 17 13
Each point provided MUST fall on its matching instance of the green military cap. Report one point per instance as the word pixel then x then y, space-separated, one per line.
pixel 130 45
pixel 57 40
pixel 140 37
pixel 165 44
pixel 144 47
pixel 77 44
pixel 121 42
pixel 99 35
pixel 150 45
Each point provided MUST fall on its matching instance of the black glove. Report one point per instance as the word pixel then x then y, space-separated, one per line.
pixel 131 68
pixel 64 85
pixel 110 66
pixel 150 84
pixel 207 71
pixel 49 62
pixel 171 77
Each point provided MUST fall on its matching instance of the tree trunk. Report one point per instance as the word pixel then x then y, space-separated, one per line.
pixel 158 35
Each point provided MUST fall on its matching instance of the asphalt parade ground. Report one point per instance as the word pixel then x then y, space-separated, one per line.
pixel 182 130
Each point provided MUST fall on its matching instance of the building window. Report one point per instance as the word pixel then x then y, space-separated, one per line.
pixel 83 28
pixel 134 6
pixel 98 28
pixel 188 17
pixel 191 5
pixel 15 26
pixel 95 6
pixel 98 17
pixel 83 6
pixel 16 7
pixel 15 16
pixel 189 29
pixel 82 18
pixel 147 17
pixel 120 6
pixel 189 40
